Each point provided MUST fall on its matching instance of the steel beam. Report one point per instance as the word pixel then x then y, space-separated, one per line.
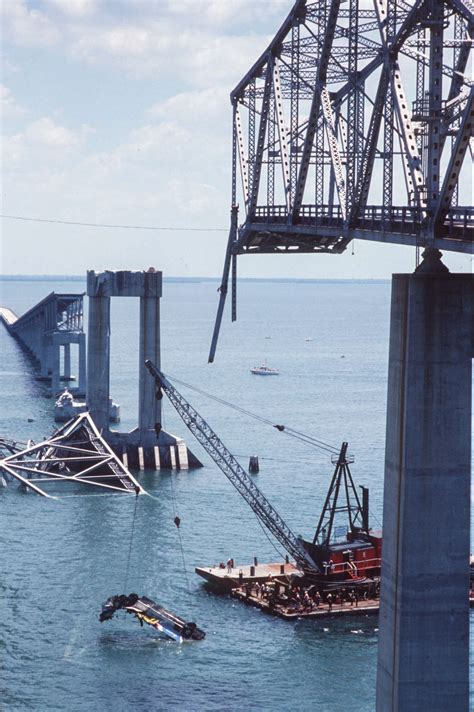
pixel 316 104
pixel 257 161
pixel 458 153
pixel 282 132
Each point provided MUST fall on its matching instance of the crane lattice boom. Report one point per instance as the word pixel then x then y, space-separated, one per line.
pixel 235 473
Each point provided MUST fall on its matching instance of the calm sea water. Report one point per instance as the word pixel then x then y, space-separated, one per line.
pixel 61 559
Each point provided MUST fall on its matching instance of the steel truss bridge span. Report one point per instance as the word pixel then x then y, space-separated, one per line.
pixel 354 124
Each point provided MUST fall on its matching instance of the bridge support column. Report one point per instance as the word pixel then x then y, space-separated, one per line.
pixel 55 356
pixel 149 408
pixel 98 358
pixel 67 361
pixel 45 357
pixel 81 367
pixel 423 657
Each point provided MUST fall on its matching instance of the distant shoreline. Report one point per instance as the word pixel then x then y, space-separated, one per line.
pixel 82 278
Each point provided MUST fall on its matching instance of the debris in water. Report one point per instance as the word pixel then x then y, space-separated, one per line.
pixel 150 612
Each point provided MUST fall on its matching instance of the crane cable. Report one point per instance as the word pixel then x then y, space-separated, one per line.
pixel 131 543
pixel 302 437
pixel 177 522
pixel 282 556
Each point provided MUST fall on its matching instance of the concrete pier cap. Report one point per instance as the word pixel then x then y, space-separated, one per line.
pixel 125 283
pixel 147 286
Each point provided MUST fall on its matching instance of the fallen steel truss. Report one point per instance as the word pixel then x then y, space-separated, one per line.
pixel 77 454
pixel 354 124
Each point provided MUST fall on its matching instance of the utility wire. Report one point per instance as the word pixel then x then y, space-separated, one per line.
pixel 121 227
pixel 303 437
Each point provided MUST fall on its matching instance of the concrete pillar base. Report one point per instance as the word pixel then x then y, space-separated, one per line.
pixel 142 449
pixel 423 657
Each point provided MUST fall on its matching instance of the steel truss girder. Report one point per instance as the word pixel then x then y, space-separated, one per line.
pixel 327 110
pixel 464 8
pixel 417 180
pixel 242 156
pixel 458 153
pixel 282 132
pixel 261 138
pixel 302 106
pixel 324 60
pixel 365 174
pixel 44 462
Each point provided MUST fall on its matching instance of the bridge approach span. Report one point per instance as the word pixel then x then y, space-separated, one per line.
pixel 50 326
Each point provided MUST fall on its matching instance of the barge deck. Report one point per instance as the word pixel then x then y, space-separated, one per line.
pixel 227 578
pixel 323 610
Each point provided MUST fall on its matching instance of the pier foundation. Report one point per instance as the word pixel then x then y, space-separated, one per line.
pixel 423 656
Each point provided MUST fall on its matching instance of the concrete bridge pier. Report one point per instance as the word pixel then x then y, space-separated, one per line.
pixel 67 362
pixel 98 356
pixel 63 340
pixel 423 657
pixel 149 408
pixel 141 447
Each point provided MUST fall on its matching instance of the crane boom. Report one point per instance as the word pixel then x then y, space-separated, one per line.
pixel 235 473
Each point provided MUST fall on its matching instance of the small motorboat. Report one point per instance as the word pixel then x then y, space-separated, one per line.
pixel 265 371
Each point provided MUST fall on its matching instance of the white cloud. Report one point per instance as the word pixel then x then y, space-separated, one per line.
pixel 74 8
pixel 202 108
pixel 27 26
pixel 231 13
pixel 40 146
pixel 9 108
pixel 45 132
pixel 164 48
pixel 198 41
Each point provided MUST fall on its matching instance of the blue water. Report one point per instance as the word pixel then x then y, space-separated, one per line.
pixel 61 559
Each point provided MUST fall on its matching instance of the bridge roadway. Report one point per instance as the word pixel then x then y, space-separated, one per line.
pixel 8 317
pixel 50 326
pixel 322 229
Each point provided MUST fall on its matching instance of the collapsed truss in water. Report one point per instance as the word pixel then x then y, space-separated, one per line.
pixel 75 453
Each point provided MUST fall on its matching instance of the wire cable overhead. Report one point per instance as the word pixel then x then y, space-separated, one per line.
pixel 120 227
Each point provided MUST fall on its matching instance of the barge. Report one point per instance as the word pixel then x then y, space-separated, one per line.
pixel 225 578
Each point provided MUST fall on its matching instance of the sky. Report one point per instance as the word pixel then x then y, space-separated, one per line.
pixel 118 112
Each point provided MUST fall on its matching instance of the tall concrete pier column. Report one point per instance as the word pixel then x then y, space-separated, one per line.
pixel 98 352
pixel 149 407
pixel 55 364
pixel 423 657
pixel 67 361
pixel 82 377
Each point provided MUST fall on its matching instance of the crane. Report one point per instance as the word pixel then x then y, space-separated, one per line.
pixel 213 445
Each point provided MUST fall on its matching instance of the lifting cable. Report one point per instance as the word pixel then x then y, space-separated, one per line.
pixel 177 522
pixel 303 437
pixel 127 569
pixel 282 556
